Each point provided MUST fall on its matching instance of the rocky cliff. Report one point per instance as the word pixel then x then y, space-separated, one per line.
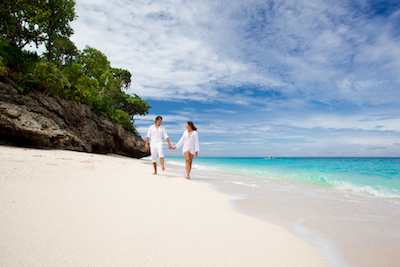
pixel 51 122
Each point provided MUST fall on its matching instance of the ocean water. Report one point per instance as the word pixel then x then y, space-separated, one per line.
pixel 349 208
pixel 378 177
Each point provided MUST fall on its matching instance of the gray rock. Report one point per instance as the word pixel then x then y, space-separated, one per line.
pixel 51 122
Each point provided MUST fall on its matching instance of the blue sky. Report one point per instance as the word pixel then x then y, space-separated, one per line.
pixel 259 78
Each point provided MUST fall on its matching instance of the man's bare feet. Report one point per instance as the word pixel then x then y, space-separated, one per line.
pixel 155 173
pixel 163 168
pixel 188 177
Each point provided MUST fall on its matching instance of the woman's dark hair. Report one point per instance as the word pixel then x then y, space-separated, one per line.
pixel 192 126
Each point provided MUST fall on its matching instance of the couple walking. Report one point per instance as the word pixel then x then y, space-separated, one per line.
pixel 189 140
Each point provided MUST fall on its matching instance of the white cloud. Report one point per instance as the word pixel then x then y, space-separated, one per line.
pixel 356 122
pixel 213 143
pixel 164 45
pixel 220 110
pixel 198 50
pixel 166 118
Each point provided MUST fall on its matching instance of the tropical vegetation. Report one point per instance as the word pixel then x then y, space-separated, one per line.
pixel 83 76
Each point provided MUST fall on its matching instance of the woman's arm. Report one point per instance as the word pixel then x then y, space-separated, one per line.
pixel 196 141
pixel 181 141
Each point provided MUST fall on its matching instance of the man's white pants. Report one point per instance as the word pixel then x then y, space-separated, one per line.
pixel 156 150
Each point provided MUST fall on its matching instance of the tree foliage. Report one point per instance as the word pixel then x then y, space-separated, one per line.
pixel 84 76
pixel 19 22
pixel 40 21
pixel 56 28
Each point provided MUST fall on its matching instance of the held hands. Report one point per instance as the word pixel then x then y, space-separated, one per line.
pixel 171 147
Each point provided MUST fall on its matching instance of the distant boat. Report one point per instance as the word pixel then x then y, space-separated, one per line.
pixel 269 158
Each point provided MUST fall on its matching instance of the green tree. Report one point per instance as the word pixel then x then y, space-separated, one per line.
pixel 55 24
pixel 88 71
pixel 64 51
pixel 96 83
pixel 19 21
pixel 93 62
pixel 40 21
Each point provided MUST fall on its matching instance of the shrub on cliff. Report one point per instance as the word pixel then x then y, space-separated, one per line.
pixel 84 76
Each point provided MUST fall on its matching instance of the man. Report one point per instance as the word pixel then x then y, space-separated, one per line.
pixel 155 133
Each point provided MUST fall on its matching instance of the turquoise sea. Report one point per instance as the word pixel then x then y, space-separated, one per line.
pixel 349 208
pixel 378 177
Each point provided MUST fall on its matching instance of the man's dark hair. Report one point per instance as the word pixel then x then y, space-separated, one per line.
pixel 158 118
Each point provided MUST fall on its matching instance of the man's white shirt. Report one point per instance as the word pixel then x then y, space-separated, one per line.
pixel 156 135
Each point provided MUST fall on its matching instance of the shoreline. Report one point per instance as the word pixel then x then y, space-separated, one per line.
pixel 348 229
pixel 64 208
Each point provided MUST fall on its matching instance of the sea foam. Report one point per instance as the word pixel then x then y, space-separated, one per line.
pixel 378 190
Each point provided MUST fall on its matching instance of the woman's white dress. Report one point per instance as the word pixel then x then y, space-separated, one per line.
pixel 189 144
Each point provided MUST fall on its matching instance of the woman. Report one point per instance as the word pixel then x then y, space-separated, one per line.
pixel 190 141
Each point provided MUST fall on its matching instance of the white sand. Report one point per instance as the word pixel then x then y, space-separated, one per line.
pixel 64 208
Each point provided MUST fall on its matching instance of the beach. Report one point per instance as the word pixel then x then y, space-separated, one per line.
pixel 348 208
pixel 65 208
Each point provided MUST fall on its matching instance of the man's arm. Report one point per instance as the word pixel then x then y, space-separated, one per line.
pixel 166 138
pixel 169 144
pixel 146 146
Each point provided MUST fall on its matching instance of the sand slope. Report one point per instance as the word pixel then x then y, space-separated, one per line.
pixel 64 208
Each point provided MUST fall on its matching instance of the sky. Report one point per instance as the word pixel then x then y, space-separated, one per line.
pixel 292 78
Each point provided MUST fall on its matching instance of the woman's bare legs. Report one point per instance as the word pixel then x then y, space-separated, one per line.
pixel 189 160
